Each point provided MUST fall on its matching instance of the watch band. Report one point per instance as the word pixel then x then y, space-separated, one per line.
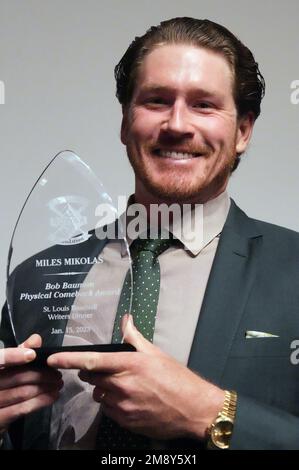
pixel 220 431
pixel 229 405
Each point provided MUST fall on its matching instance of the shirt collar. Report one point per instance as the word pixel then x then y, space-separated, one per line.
pixel 210 218
pixel 202 223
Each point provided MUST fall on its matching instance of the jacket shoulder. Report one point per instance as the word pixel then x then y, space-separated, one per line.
pixel 277 232
pixel 249 226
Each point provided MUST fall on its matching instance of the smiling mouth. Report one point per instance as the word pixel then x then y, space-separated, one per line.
pixel 176 154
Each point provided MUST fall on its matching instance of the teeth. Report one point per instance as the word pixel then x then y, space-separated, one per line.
pixel 176 155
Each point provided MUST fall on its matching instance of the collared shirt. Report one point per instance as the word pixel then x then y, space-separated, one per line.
pixel 184 275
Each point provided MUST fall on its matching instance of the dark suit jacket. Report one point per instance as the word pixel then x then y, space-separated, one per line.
pixel 253 285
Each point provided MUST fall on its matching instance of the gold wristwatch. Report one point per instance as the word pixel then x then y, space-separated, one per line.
pixel 220 431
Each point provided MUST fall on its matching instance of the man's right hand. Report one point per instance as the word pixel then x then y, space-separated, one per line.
pixel 24 389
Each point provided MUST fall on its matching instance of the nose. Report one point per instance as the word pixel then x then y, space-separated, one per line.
pixel 177 121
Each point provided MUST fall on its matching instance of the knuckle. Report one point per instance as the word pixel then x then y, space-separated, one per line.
pixel 25 408
pixel 91 363
pixel 123 386
pixel 26 392
pixel 125 407
pixel 134 362
pixel 15 395
pixel 118 383
pixel 13 414
pixel 126 416
pixel 138 363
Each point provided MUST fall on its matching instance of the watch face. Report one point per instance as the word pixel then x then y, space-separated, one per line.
pixel 221 434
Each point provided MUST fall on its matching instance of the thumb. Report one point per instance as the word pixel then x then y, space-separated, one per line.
pixel 135 338
pixel 34 341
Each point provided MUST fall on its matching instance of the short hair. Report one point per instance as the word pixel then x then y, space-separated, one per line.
pixel 249 84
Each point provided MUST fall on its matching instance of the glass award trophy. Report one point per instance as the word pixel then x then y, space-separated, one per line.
pixel 67 263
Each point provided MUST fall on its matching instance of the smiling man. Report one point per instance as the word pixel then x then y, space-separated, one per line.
pixel 181 128
pixel 212 365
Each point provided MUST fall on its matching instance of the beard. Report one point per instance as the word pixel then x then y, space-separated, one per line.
pixel 182 185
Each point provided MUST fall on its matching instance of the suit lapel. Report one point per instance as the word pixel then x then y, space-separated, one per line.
pixel 228 288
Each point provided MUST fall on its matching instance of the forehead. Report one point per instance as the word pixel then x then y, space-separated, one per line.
pixel 185 67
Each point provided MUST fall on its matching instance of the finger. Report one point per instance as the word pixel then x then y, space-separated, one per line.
pixel 92 361
pixel 11 413
pixel 26 392
pixel 86 376
pixel 103 381
pixel 92 377
pixel 135 338
pixel 16 356
pixel 106 382
pixel 17 376
pixel 108 399
pixel 34 341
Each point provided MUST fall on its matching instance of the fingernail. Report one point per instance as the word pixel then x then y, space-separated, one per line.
pixel 29 355
pixel 51 362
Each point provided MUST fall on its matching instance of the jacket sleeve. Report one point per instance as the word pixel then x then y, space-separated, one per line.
pixel 11 439
pixel 263 427
pixel 6 332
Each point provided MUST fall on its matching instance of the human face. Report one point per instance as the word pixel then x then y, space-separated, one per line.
pixel 181 128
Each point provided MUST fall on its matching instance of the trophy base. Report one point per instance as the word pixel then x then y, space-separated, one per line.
pixel 43 353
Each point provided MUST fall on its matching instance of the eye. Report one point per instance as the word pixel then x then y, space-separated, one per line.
pixel 203 105
pixel 156 101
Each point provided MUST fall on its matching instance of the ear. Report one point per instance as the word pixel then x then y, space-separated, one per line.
pixel 124 126
pixel 244 132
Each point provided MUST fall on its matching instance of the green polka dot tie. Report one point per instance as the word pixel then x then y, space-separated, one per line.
pixel 146 288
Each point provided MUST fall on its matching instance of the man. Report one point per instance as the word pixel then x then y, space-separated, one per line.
pixel 190 93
